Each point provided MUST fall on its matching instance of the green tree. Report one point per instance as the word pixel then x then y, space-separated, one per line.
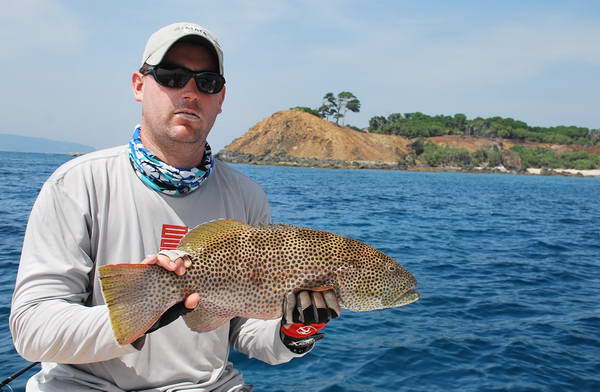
pixel 376 122
pixel 336 107
pixel 418 146
pixel 460 121
pixel 417 124
pixel 395 117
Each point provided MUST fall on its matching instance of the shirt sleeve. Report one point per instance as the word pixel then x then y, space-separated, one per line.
pixel 49 319
pixel 260 339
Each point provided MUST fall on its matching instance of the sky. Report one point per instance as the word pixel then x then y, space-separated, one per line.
pixel 66 65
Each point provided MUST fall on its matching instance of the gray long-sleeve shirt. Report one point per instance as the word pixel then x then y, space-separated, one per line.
pixel 94 211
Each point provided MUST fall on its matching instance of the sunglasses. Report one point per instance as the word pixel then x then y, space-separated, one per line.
pixel 177 77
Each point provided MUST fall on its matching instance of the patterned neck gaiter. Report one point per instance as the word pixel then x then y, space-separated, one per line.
pixel 162 177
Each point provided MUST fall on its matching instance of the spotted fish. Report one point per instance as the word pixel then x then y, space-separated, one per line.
pixel 245 271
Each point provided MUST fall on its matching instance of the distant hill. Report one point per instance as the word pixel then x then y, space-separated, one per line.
pixel 17 143
pixel 297 138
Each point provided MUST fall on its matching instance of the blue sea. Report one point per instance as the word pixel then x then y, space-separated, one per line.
pixel 508 267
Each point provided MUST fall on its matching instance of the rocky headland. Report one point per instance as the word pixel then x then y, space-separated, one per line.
pixel 297 138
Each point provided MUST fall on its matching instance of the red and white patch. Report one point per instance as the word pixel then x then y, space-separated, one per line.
pixel 172 235
pixel 299 330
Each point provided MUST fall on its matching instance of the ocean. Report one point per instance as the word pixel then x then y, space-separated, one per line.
pixel 508 267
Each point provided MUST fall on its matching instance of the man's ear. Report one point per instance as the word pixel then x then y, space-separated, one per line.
pixel 222 99
pixel 137 86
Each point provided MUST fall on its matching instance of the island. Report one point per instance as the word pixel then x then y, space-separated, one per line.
pixel 415 141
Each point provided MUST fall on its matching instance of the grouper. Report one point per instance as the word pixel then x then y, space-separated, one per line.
pixel 245 271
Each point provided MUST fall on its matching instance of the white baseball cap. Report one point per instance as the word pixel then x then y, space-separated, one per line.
pixel 161 41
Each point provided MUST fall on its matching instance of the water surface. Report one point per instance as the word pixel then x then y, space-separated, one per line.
pixel 507 266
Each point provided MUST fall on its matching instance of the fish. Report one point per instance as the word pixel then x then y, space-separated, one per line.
pixel 241 270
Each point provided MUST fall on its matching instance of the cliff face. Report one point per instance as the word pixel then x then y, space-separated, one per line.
pixel 296 135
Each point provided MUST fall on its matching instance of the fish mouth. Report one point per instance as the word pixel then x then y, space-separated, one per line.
pixel 411 296
pixel 406 298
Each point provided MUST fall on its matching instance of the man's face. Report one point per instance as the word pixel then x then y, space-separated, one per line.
pixel 184 115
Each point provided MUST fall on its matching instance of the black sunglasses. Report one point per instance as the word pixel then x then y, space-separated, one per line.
pixel 177 77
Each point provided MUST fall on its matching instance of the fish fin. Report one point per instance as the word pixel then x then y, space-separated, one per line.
pixel 205 318
pixel 206 233
pixel 278 226
pixel 128 290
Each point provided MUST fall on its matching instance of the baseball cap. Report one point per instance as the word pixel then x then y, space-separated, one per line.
pixel 161 41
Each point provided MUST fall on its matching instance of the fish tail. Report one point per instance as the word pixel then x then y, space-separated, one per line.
pixel 136 295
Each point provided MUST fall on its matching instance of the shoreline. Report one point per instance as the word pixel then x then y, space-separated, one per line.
pixel 229 157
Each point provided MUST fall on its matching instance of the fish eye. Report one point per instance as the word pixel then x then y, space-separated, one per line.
pixel 392 268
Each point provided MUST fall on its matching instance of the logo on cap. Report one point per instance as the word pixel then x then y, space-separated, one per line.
pixel 191 28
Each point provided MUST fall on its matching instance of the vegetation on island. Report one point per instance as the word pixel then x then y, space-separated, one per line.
pixel 335 107
pixel 419 127
pixel 308 110
pixel 545 158
pixel 414 125
pixel 417 124
pixel 436 155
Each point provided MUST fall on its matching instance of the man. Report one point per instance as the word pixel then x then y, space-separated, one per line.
pixel 120 204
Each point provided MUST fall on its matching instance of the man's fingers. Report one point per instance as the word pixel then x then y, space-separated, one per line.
pixel 150 259
pixel 168 264
pixel 332 303
pixel 312 307
pixel 162 261
pixel 303 300
pixel 308 307
pixel 181 264
pixel 290 305
pixel 178 265
pixel 303 304
pixel 321 313
pixel 317 299
pixel 192 301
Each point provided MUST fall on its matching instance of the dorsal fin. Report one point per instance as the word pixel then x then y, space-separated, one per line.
pixel 277 226
pixel 204 234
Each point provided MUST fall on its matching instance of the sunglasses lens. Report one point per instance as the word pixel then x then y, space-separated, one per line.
pixel 173 78
pixel 209 83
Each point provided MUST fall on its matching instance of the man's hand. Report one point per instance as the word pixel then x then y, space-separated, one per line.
pixel 304 314
pixel 177 262
pixel 310 307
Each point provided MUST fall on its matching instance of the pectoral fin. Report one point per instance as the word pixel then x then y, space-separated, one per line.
pixel 204 319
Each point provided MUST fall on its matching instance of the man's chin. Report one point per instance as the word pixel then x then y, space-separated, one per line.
pixel 186 134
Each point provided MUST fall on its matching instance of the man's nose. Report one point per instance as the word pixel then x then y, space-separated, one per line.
pixel 190 90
